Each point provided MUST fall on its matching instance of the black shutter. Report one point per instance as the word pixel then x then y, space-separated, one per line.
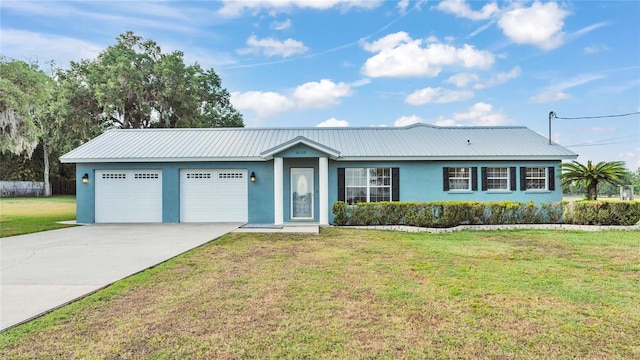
pixel 445 179
pixel 512 178
pixel 552 178
pixel 395 184
pixel 474 178
pixel 523 178
pixel 341 184
pixel 484 178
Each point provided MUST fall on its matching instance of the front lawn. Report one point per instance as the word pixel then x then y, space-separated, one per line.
pixel 28 215
pixel 362 294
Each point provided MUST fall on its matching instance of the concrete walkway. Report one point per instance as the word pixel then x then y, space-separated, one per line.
pixel 43 271
pixel 287 228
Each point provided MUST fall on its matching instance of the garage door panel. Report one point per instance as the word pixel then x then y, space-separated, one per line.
pixel 213 195
pixel 128 196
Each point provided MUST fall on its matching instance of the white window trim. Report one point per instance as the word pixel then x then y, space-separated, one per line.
pixel 508 177
pixel 467 170
pixel 546 179
pixel 368 185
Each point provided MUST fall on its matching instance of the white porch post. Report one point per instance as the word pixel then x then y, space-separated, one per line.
pixel 278 185
pixel 323 168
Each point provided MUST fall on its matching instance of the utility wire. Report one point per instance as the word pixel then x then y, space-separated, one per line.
pixel 595 117
pixel 628 137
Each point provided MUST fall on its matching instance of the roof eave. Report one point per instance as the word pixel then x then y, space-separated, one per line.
pixel 460 158
pixel 160 160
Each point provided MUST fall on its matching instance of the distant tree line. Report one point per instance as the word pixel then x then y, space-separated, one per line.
pixel 131 84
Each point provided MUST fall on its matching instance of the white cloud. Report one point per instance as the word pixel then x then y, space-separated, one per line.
pixel 402 6
pixel 308 95
pixel 333 122
pixel 500 78
pixel 462 79
pixel 361 82
pixel 480 114
pixel 481 29
pixel 599 130
pixel 556 92
pixel 136 13
pixel 550 96
pixel 321 94
pixel 264 104
pixel 460 8
pixel 233 8
pixel 437 95
pixel 539 25
pixel 408 120
pixel 273 47
pixel 585 30
pixel 432 39
pixel 26 45
pixel 400 56
pixel 388 42
pixel 281 25
pixel 594 49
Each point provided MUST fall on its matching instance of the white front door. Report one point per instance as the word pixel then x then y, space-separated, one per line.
pixel 302 193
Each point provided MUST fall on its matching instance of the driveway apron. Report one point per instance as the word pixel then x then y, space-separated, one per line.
pixel 43 271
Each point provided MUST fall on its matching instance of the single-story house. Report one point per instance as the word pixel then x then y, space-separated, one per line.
pixel 287 175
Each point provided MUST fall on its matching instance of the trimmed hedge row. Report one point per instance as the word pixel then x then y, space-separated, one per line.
pixel 601 212
pixel 453 213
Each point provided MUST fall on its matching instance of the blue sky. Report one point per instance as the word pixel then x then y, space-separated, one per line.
pixel 381 63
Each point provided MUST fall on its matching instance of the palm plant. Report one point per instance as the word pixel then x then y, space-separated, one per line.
pixel 605 172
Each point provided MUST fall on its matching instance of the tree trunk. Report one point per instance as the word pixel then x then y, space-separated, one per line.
pixel 592 192
pixel 47 187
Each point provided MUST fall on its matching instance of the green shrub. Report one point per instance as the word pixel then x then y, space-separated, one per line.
pixel 419 214
pixel 340 210
pixel 445 214
pixel 453 213
pixel 601 212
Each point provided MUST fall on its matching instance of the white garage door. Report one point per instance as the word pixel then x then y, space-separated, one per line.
pixel 128 196
pixel 213 195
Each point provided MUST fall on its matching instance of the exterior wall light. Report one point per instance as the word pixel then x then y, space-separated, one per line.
pixel 85 178
pixel 252 177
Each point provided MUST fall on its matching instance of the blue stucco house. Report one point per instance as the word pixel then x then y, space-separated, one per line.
pixel 290 175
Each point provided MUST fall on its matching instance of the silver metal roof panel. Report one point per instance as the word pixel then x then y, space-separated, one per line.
pixel 419 141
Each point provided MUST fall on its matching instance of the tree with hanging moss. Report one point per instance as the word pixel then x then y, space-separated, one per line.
pixel 133 84
pixel 591 175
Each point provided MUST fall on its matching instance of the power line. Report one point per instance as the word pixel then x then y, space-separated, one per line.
pixel 594 117
pixel 604 141
pixel 553 115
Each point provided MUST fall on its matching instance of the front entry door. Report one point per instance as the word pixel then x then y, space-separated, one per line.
pixel 302 193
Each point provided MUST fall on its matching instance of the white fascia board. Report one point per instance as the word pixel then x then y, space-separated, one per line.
pixel 269 153
pixel 159 160
pixel 458 158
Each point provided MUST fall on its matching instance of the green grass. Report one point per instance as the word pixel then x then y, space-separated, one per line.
pixel 362 294
pixel 28 215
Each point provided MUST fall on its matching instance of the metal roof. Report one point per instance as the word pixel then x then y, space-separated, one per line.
pixel 414 142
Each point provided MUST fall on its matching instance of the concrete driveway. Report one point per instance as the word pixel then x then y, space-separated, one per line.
pixel 43 271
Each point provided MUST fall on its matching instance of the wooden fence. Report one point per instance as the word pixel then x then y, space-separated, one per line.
pixel 63 187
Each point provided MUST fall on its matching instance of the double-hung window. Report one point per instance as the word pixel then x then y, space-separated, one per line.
pixel 459 178
pixel 497 178
pixel 536 178
pixel 367 184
